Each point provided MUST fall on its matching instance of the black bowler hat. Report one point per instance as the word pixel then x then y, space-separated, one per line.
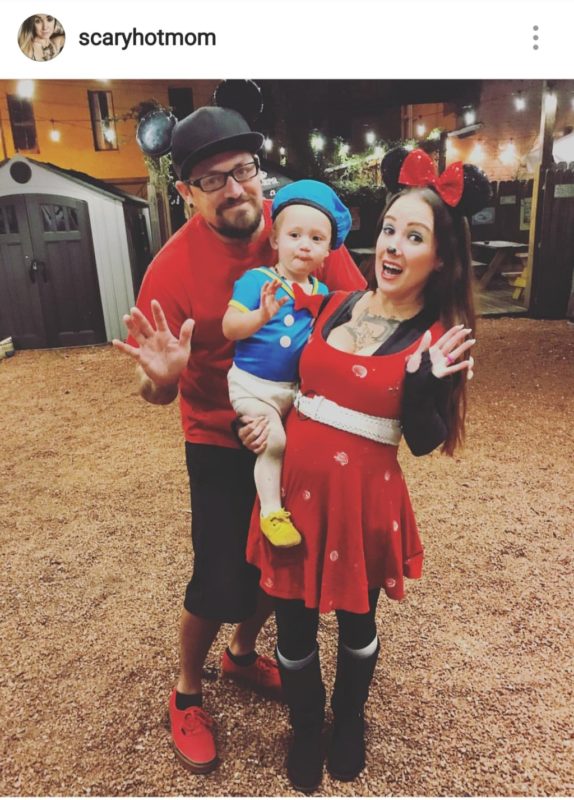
pixel 208 131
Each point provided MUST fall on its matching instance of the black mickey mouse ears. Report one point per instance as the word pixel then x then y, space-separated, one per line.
pixel 155 131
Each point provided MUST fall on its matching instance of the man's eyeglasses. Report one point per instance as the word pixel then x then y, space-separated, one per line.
pixel 217 180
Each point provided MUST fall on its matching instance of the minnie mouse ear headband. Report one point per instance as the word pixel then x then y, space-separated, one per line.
pixel 224 126
pixel 461 186
pixel 320 196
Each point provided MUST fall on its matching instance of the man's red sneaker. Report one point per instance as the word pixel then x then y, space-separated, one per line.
pixel 262 676
pixel 192 737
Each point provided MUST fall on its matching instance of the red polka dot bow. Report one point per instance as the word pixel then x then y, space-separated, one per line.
pixel 419 170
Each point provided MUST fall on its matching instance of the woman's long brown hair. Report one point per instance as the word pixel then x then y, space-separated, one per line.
pixel 449 292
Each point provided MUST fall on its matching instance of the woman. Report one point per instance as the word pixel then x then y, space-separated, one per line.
pixel 41 37
pixel 377 362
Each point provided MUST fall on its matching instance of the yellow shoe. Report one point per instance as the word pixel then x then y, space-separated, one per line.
pixel 279 529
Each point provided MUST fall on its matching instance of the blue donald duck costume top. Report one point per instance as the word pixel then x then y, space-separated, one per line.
pixel 273 352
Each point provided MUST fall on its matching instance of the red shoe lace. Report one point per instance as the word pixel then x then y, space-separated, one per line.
pixel 195 720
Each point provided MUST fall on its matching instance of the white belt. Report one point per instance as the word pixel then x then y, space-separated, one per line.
pixel 379 429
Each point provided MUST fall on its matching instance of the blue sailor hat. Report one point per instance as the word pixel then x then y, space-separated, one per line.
pixel 317 195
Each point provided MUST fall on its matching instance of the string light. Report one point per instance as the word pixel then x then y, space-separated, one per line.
pixel 317 142
pixel 370 138
pixel 469 116
pixel 268 144
pixel 54 134
pixel 477 153
pixel 25 89
pixel 451 148
pixel 508 154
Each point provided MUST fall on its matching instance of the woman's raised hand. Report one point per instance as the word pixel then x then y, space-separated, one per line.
pixel 445 352
pixel 162 357
pixel 269 303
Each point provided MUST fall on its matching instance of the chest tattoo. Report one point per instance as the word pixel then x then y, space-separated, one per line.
pixel 369 329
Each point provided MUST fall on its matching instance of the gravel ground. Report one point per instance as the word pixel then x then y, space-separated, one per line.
pixel 473 693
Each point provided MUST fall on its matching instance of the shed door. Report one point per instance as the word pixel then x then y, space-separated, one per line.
pixel 49 293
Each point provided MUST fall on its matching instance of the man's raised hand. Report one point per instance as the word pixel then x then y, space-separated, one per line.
pixel 159 353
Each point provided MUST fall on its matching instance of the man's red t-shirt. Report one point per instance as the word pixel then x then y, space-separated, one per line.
pixel 192 276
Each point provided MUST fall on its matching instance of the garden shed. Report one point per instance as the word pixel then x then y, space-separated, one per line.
pixel 73 251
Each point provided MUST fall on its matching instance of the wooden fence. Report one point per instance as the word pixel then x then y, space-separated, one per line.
pixel 507 217
pixel 553 263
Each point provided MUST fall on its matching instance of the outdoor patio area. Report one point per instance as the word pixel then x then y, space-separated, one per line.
pixel 473 692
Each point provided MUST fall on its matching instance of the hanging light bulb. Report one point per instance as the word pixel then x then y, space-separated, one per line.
pixel 25 89
pixel 317 142
pixel 268 144
pixel 421 128
pixel 370 138
pixel 451 148
pixel 508 154
pixel 477 153
pixel 469 116
pixel 282 151
pixel 519 102
pixel 54 135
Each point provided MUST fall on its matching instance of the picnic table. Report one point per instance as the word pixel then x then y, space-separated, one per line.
pixel 503 254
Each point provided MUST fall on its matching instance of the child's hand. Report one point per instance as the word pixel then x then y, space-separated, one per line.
pixel 269 304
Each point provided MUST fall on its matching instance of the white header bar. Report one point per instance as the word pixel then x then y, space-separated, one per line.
pixel 321 39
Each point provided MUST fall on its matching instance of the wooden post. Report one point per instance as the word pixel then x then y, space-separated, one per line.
pixel 535 245
pixel 442 151
pixel 155 225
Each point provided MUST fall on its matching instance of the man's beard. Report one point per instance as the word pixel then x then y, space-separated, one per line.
pixel 243 227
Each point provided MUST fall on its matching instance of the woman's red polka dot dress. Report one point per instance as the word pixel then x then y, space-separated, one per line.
pixel 346 494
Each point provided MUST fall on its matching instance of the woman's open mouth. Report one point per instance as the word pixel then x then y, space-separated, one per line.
pixel 391 270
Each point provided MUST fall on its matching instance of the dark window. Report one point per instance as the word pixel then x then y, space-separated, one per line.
pixel 11 221
pixel 8 222
pixel 180 100
pixel 23 124
pixel 103 120
pixel 59 218
pixel 72 220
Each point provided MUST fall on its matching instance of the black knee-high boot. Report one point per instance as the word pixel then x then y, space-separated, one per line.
pixel 346 756
pixel 305 696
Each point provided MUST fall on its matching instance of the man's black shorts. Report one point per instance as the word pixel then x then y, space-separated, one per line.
pixel 223 585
